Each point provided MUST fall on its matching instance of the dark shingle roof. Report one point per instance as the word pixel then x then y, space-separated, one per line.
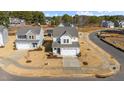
pixel 58 31
pixel 57 45
pixel 24 30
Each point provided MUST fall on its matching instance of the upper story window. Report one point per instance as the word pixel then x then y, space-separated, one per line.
pixel 31 37
pixel 66 41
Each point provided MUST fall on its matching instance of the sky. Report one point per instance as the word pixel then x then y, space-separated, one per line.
pixel 90 13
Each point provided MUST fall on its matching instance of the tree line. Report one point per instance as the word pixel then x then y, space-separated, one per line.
pixel 39 17
pixel 82 20
pixel 28 16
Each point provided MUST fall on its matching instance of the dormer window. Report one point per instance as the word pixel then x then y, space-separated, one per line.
pixel 29 37
pixel 32 37
pixel 66 41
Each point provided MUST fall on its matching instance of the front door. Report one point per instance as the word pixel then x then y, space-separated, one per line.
pixel 34 45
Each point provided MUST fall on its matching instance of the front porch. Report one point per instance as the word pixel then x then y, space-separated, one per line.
pixel 57 51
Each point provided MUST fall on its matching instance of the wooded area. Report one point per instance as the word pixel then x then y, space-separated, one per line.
pixel 39 17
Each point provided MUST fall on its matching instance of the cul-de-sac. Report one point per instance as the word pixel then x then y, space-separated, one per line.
pixel 35 45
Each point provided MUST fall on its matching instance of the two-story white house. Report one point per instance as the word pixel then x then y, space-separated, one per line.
pixel 29 37
pixel 3 36
pixel 65 41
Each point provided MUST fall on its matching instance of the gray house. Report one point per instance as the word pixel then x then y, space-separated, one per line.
pixel 119 24
pixel 107 24
pixel 49 32
pixel 66 25
pixel 3 36
pixel 29 37
pixel 16 22
pixel 65 41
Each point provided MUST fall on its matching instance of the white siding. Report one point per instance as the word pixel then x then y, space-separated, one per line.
pixel 5 36
pixel 74 39
pixel 54 51
pixel 69 51
pixel 24 45
pixel 40 36
pixel 54 39
pixel 1 39
pixel 65 37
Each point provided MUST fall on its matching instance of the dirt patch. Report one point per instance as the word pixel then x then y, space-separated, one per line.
pixel 90 28
pixel 8 49
pixel 115 39
pixel 88 58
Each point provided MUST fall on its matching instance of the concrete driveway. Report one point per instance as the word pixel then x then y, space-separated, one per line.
pixel 71 62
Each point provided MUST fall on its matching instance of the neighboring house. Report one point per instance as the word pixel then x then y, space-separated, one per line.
pixel 49 32
pixel 48 22
pixel 16 22
pixel 65 41
pixel 29 38
pixel 119 24
pixel 65 25
pixel 3 36
pixel 107 24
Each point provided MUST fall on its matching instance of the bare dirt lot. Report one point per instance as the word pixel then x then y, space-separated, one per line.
pixel 9 48
pixel 90 28
pixel 116 39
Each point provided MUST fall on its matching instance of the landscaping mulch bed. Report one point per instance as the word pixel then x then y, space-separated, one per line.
pixel 51 56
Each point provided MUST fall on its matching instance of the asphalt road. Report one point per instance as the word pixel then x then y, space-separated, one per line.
pixel 4 76
pixel 117 54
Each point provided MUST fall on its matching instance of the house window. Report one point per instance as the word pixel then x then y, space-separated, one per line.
pixel 32 37
pixel 29 37
pixel 66 41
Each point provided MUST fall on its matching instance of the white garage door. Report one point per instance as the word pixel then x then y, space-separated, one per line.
pixel 68 52
pixel 23 46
